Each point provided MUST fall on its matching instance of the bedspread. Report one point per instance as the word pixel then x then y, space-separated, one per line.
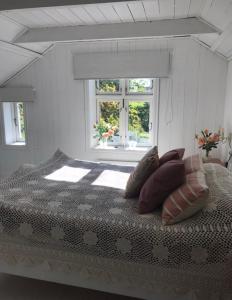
pixel 78 206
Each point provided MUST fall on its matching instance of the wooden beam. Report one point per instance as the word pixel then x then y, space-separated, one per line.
pixel 22 4
pixel 158 28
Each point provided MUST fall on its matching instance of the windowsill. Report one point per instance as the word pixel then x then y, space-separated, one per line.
pixel 17 144
pixel 109 148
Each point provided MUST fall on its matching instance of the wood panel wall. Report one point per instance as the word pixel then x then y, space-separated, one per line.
pixel 191 99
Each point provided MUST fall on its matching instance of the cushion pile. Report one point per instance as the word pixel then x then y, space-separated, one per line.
pixel 176 184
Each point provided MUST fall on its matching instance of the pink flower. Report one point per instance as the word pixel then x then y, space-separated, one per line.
pixel 105 135
pixel 111 132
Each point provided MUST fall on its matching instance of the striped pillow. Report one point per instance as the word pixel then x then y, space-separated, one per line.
pixel 186 200
pixel 193 163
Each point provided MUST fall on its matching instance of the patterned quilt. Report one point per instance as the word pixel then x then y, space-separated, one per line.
pixel 79 206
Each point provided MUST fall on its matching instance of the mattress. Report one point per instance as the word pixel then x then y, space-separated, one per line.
pixel 77 208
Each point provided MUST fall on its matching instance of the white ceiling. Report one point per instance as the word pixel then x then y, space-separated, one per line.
pixel 216 12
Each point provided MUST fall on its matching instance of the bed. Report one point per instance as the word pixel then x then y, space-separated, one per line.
pixel 67 221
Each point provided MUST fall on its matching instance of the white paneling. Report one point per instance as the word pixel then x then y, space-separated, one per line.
pixel 208 39
pixel 37 47
pixel 12 60
pixel 96 14
pixel 228 102
pixel 67 13
pixel 58 16
pixel 24 17
pixel 181 8
pixel 196 7
pixel 57 118
pixel 8 29
pixel 218 12
pixel 109 12
pixel 167 9
pixel 82 14
pixel 138 11
pixel 226 45
pixel 123 12
pixel 152 9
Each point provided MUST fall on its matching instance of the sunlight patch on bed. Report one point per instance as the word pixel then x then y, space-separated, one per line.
pixel 112 179
pixel 68 174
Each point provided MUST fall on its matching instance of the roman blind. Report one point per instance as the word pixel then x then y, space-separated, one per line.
pixel 17 94
pixel 137 64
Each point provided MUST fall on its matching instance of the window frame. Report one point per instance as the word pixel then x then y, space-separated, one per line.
pixel 18 143
pixel 153 100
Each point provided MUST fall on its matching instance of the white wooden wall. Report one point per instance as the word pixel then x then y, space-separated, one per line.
pixel 191 99
pixel 228 102
pixel 228 110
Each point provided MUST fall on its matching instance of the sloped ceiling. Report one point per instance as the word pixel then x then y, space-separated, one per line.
pixel 14 23
pixel 14 58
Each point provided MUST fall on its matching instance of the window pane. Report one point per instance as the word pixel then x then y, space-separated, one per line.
pixel 21 121
pixel 140 86
pixel 108 86
pixel 138 123
pixel 14 123
pixel 108 126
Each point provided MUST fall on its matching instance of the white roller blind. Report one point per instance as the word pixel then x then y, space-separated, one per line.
pixel 138 64
pixel 17 94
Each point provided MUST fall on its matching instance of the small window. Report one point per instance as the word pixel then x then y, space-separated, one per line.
pixel 139 86
pixel 14 123
pixel 108 86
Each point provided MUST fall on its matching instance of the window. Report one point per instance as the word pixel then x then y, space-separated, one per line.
pixel 126 110
pixel 14 123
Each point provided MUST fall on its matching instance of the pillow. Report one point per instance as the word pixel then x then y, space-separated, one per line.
pixel 160 184
pixel 172 155
pixel 186 200
pixel 148 164
pixel 193 163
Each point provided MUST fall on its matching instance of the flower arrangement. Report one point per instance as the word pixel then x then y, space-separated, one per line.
pixel 104 130
pixel 208 140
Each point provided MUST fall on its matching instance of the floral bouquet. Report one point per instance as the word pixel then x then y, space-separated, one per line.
pixel 104 130
pixel 208 140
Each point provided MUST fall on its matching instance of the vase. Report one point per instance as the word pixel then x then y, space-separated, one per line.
pixel 207 156
pixel 103 143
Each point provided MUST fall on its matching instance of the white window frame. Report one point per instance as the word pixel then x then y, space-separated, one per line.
pixel 14 122
pixel 113 153
pixel 125 97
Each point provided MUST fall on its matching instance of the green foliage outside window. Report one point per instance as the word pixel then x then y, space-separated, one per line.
pixel 108 86
pixel 139 118
pixel 141 86
pixel 21 120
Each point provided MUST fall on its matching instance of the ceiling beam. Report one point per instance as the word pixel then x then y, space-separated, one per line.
pixel 22 4
pixel 158 28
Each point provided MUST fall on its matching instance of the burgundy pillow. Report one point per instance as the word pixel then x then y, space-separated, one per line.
pixel 171 155
pixel 161 184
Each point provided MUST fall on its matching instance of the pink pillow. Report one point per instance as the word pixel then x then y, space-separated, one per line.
pixel 193 163
pixel 172 155
pixel 186 200
pixel 160 184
